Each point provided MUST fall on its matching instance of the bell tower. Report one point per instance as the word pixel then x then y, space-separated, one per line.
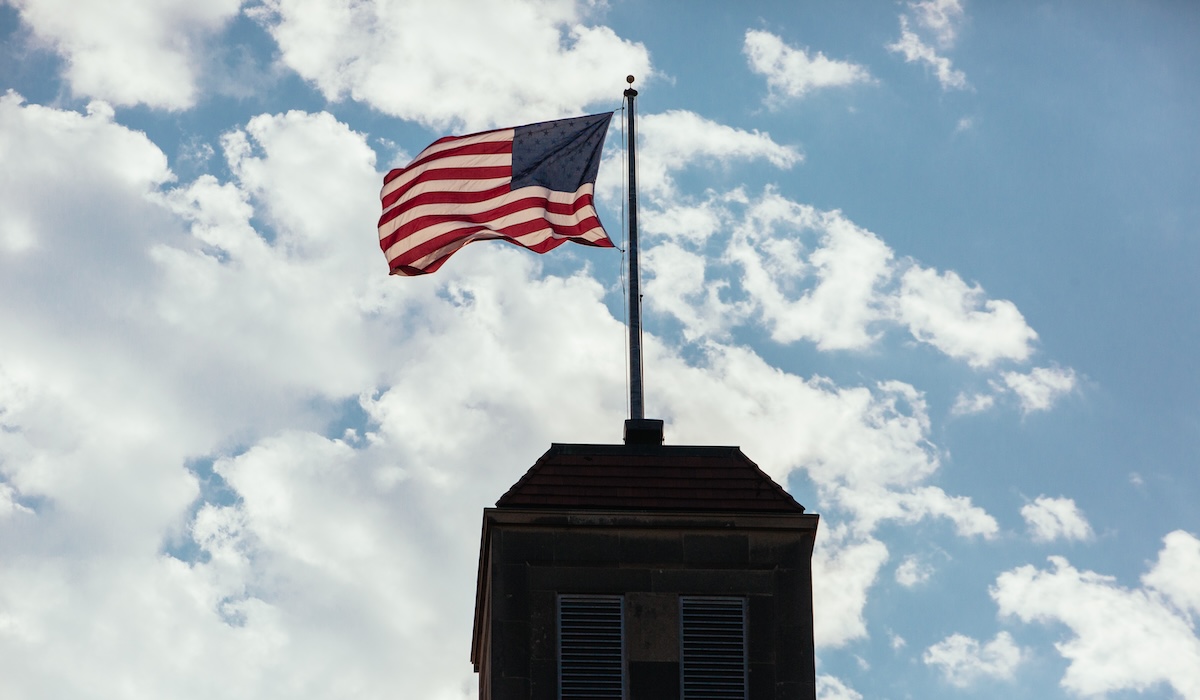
pixel 645 571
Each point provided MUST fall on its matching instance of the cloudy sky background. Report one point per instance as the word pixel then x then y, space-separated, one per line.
pixel 932 265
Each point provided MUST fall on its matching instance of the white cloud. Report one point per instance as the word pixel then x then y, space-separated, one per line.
pixel 845 567
pixel 674 140
pixel 1040 387
pixel 234 321
pixel 841 436
pixel 917 51
pixel 805 274
pixel 1120 638
pixel 257 333
pixel 1050 519
pixel 510 61
pixel 80 414
pixel 912 572
pixel 1177 570
pixel 130 52
pixel 872 505
pixel 831 688
pixel 964 661
pixel 312 177
pixel 792 72
pixel 41 139
pixel 268 333
pixel 966 404
pixel 302 294
pixel 814 275
pixel 941 17
pixel 678 287
pixel 689 222
pixel 960 321
pixel 1036 390
pixel 847 265
pixel 866 450
pixel 9 505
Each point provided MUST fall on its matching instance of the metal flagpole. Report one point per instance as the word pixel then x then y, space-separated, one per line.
pixel 636 401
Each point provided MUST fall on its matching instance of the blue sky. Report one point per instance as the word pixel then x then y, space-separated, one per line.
pixel 930 264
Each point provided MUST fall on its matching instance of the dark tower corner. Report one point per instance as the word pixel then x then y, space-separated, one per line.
pixel 645 572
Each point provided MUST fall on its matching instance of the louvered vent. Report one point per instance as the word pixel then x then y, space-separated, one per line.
pixel 713 634
pixel 591 647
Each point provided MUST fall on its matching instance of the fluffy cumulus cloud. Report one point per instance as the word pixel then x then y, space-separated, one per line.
pixel 1035 390
pixel 1177 570
pixel 9 507
pixel 174 294
pixel 814 275
pixel 1050 519
pixel 802 273
pixel 511 61
pixel 1120 638
pixel 230 282
pixel 129 52
pixel 78 403
pixel 844 569
pixel 727 259
pixel 873 505
pixel 301 546
pixel 1039 388
pixel 677 140
pixel 730 258
pixel 832 688
pixel 679 288
pixel 792 72
pixel 963 661
pixel 940 309
pixel 939 19
pixel 240 514
pixel 866 448
pixel 186 491
pixel 847 265
pixel 968 403
pixel 913 572
pixel 43 147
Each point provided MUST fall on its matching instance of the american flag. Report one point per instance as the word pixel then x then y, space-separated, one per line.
pixel 531 185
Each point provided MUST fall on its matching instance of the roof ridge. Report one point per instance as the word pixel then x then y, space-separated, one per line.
pixel 648 477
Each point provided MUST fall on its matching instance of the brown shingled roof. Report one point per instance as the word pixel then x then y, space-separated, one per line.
pixel 639 477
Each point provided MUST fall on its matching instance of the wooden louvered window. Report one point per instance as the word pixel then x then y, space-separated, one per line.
pixel 713 648
pixel 591 647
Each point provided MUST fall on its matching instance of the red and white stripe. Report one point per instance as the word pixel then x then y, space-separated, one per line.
pixel 458 190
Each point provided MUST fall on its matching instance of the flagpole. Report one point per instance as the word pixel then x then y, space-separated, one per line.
pixel 637 409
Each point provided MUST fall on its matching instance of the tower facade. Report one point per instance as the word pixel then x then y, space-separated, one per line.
pixel 644 571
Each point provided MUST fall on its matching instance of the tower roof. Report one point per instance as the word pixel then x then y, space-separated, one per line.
pixel 648 478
